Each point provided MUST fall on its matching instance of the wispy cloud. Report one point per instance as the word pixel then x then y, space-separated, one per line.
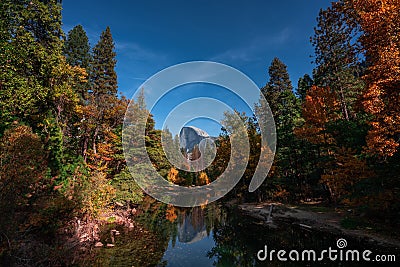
pixel 255 48
pixel 137 52
pixel 130 50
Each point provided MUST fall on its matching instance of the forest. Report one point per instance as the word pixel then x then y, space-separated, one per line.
pixel 61 120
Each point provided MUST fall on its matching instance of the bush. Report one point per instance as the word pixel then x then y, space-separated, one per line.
pixel 126 189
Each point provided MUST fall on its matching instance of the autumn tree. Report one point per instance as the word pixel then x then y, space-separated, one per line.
pixel 23 164
pixel 103 93
pixel 380 22
pixel 343 173
pixel 173 176
pixel 320 108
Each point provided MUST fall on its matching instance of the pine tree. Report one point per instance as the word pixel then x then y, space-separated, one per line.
pixel 281 99
pixel 77 48
pixel 278 83
pixel 336 56
pixel 103 94
pixel 77 53
pixel 303 85
pixel 286 111
pixel 103 76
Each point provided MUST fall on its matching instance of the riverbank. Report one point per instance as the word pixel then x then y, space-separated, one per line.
pixel 322 220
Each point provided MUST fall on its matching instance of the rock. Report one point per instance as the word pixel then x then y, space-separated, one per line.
pixel 119 204
pixel 110 245
pixel 191 136
pixel 98 244
pixel 115 232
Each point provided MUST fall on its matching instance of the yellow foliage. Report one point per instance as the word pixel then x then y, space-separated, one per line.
pixel 203 179
pixel 173 176
pixel 171 213
pixel 96 194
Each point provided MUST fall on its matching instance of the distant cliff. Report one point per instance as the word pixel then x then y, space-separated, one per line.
pixel 191 136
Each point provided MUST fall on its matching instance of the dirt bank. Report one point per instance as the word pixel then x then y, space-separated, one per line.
pixel 325 221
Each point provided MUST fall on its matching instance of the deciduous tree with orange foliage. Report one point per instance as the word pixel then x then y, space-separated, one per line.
pixel 380 22
pixel 341 169
pixel 344 172
pixel 320 108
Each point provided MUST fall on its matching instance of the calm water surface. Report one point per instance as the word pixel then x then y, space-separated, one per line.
pixel 214 236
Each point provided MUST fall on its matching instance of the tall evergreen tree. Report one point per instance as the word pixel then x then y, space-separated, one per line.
pixel 286 111
pixel 77 48
pixel 103 93
pixel 103 76
pixel 279 94
pixel 77 53
pixel 303 85
pixel 336 57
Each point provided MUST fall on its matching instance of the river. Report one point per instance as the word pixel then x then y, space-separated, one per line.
pixel 215 236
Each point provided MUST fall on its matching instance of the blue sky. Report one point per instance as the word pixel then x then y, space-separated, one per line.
pixel 153 35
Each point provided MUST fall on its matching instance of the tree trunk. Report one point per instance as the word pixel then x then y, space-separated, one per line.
pixel 96 132
pixel 85 146
pixel 343 105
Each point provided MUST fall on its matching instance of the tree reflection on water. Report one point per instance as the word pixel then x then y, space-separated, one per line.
pixel 211 235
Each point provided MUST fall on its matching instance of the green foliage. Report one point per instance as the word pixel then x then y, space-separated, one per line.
pixel 76 48
pixel 96 195
pixel 303 85
pixel 286 110
pixel 103 75
pixel 77 53
pixel 126 188
pixel 30 45
pixel 155 150
pixel 349 134
pixel 54 143
pixel 336 56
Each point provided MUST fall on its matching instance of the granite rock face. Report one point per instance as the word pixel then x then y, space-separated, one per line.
pixel 191 136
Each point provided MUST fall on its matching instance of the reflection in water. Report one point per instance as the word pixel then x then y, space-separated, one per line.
pixel 192 227
pixel 195 236
pixel 210 236
pixel 238 240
